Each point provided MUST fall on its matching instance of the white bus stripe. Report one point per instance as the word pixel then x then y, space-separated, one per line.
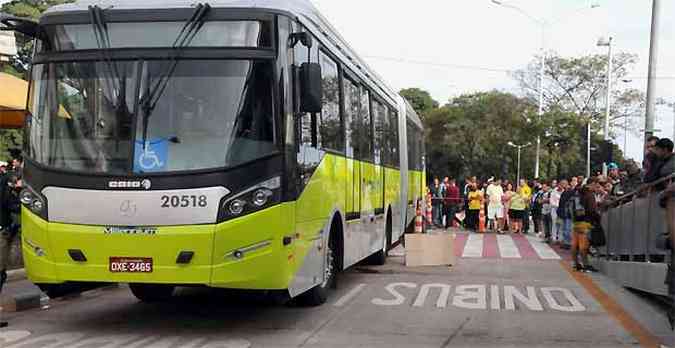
pixel 507 247
pixel 474 246
pixel 348 296
pixel 542 249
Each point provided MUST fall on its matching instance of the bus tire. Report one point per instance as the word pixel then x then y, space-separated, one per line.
pixel 152 292
pixel 318 295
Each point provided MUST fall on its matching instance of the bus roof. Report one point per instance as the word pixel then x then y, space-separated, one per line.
pixel 303 10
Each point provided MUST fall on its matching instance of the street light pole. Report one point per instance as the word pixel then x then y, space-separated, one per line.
pixel 651 81
pixel 542 26
pixel 608 44
pixel 519 147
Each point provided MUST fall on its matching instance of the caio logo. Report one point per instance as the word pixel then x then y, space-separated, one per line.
pixel 130 184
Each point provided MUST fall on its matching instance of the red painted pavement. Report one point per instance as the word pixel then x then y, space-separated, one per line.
pixel 460 242
pixel 490 248
pixel 524 247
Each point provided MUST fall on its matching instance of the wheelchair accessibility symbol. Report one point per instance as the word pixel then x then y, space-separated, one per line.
pixel 152 156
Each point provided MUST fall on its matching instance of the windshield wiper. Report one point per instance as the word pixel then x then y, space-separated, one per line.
pixel 103 42
pixel 185 37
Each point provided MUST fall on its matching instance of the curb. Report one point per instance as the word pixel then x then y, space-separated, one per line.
pixel 37 299
pixel 17 274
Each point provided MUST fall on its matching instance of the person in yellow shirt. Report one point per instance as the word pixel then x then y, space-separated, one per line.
pixel 517 210
pixel 527 193
pixel 475 198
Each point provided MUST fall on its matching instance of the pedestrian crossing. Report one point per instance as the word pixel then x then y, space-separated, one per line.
pixel 480 245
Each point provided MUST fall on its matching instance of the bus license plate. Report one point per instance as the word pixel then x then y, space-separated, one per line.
pixel 130 265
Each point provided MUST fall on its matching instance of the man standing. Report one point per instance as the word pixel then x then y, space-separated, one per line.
pixel 546 219
pixel 564 212
pixel 554 201
pixel 664 151
pixel 495 210
pixel 585 215
pixel 651 160
pixel 526 191
pixel 437 193
pixel 451 201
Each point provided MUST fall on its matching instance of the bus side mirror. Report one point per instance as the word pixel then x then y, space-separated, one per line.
pixel 311 88
pixel 22 25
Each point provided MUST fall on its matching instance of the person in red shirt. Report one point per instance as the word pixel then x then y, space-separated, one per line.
pixel 451 201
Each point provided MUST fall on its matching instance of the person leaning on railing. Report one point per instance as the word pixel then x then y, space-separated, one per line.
pixel 667 200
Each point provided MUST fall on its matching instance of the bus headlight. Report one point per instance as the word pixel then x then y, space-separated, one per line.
pixel 252 199
pixel 236 206
pixel 34 201
pixel 261 196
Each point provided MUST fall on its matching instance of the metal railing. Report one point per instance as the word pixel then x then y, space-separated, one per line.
pixel 635 225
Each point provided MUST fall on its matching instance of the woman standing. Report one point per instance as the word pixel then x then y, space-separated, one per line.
pixel 475 200
pixel 518 205
pixel 506 202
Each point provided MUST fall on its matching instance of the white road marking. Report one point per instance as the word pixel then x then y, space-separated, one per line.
pixel 507 247
pixel 474 246
pixel 494 298
pixel 530 301
pixel 442 301
pixel 398 298
pixel 470 297
pixel 9 336
pixel 575 305
pixel 542 249
pixel 348 296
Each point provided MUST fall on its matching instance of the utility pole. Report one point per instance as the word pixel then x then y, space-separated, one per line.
pixel 651 82
pixel 519 147
pixel 608 102
pixel 588 149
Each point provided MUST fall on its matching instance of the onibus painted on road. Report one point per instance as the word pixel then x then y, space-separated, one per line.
pixel 236 144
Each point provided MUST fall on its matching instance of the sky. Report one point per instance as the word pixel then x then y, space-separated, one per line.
pixel 453 47
pixel 471 43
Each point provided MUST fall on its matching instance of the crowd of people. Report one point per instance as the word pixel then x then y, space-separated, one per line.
pixel 10 209
pixel 562 212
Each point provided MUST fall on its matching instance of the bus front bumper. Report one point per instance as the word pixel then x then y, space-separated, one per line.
pixel 244 253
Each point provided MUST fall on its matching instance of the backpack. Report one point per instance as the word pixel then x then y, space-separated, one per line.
pixel 578 211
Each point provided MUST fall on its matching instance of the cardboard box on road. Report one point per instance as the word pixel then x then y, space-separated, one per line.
pixel 431 249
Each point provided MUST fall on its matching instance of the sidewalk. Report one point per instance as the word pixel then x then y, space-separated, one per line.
pixel 20 295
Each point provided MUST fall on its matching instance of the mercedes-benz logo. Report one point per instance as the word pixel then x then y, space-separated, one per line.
pixel 128 208
pixel 146 184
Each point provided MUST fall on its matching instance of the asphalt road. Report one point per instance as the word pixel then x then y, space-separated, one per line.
pixel 477 303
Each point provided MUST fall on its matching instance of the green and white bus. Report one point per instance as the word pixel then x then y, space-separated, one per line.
pixel 237 144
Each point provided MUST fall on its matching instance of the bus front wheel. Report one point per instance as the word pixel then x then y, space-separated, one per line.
pixel 318 295
pixel 152 292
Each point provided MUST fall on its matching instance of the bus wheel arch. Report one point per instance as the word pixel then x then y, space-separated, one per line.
pixel 318 295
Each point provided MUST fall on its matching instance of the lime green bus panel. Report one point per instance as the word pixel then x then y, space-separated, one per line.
pixel 368 189
pixel 325 190
pixel 270 267
pixel 392 189
pixel 266 268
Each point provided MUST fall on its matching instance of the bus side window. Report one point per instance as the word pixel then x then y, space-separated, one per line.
pixel 330 132
pixel 351 118
pixel 366 129
pixel 379 120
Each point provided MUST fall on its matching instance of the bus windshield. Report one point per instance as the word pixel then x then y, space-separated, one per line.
pixel 86 117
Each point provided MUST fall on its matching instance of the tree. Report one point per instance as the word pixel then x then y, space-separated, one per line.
pixel 420 100
pixel 579 85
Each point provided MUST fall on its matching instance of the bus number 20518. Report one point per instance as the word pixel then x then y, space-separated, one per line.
pixel 184 201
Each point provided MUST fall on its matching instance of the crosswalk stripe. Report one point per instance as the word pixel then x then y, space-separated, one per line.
pixel 507 247
pixel 542 249
pixel 474 246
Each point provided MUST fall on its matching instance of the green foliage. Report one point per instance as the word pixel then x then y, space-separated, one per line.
pixel 470 135
pixel 420 100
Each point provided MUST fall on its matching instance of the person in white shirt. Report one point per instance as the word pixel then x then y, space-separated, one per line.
pixel 556 232
pixel 495 213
